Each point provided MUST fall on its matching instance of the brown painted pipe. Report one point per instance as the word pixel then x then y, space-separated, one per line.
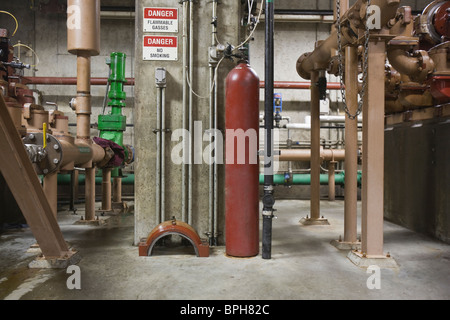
pixel 417 66
pixel 106 189
pixel 69 81
pixel 305 155
pixel 299 85
pixel 319 59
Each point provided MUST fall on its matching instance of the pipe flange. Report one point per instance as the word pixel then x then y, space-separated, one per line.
pixel 301 72
pixel 45 160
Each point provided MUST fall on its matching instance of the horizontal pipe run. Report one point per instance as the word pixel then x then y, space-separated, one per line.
pixel 69 81
pixel 64 179
pixel 131 82
pixel 305 155
pixel 305 179
pixel 299 85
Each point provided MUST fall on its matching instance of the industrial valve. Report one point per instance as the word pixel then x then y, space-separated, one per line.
pixel 45 154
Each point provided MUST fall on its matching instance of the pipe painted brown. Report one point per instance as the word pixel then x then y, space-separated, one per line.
pixel 319 59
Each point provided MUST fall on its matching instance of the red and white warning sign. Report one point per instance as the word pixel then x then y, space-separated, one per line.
pixel 160 48
pixel 160 20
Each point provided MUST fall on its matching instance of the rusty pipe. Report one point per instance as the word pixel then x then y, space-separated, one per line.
pixel 352 21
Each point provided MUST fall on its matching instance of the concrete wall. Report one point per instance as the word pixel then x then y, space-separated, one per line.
pixel 145 116
pixel 417 177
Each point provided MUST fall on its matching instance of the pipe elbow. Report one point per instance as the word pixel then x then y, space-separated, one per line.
pixel 417 65
pixel 301 66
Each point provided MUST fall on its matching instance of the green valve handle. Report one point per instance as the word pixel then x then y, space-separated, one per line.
pixel 117 79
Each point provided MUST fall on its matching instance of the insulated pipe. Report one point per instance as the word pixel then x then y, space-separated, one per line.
pixel 351 146
pixel 268 199
pixel 331 179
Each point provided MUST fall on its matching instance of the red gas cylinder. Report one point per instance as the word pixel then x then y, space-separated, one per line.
pixel 241 162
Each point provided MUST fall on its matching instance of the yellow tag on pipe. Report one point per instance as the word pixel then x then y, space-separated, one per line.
pixel 44 128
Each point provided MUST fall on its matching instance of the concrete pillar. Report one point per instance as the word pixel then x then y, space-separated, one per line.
pixel 228 19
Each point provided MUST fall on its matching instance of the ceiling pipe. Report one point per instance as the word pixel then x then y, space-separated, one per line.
pixel 352 21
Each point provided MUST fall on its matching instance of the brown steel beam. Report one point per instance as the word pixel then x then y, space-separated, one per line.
pixel 351 146
pixel 315 147
pixel 23 181
pixel 373 155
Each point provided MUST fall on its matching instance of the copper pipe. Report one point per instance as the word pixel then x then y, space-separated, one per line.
pixel 351 146
pixel 106 189
pixel 373 155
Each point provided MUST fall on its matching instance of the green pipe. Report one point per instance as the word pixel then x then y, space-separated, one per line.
pixel 64 179
pixel 305 179
pixel 278 179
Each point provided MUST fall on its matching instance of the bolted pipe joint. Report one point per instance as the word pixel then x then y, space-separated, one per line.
pixel 417 65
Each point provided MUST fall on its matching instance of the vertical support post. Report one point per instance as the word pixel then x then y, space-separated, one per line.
pixel 331 181
pixel 315 154
pixel 373 155
pixel 89 194
pixel 106 189
pixel 268 199
pixel 315 147
pixel 351 146
pixel 117 190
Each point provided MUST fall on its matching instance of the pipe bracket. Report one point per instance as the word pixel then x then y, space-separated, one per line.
pixel 176 227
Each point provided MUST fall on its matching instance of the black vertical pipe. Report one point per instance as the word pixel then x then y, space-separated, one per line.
pixel 268 199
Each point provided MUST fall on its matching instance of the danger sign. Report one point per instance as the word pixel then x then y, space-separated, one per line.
pixel 160 48
pixel 160 20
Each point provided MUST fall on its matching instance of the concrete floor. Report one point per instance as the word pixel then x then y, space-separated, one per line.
pixel 304 265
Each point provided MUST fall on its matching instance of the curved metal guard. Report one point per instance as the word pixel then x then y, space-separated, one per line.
pixel 174 227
